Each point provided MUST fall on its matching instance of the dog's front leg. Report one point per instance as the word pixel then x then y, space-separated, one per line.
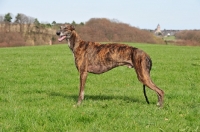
pixel 83 77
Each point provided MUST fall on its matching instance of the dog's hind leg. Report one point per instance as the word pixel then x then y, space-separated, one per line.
pixel 146 80
pixel 83 77
pixel 159 92
pixel 142 68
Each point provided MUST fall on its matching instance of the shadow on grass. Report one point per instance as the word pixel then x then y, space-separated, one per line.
pixel 97 97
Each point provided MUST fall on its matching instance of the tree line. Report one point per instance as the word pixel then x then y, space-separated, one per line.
pixel 24 20
pixel 188 37
pixel 23 30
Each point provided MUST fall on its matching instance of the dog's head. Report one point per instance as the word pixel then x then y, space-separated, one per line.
pixel 65 32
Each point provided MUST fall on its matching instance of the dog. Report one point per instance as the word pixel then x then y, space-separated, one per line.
pixel 98 58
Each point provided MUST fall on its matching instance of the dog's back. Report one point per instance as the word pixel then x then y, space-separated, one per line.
pixel 103 57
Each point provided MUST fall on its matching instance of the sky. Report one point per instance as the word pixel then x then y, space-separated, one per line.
pixel 144 14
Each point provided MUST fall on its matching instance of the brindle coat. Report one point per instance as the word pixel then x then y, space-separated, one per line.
pixel 98 58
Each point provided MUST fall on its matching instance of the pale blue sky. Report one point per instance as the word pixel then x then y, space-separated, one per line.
pixel 170 14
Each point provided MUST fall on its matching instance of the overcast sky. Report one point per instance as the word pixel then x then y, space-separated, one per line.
pixel 144 14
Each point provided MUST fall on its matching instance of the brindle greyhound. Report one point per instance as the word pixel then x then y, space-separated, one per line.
pixel 98 58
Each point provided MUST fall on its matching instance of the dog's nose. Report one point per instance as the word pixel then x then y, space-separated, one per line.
pixel 58 33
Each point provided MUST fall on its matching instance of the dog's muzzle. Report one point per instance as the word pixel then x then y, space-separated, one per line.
pixel 62 36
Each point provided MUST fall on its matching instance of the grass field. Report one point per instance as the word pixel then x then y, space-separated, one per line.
pixel 39 86
pixel 170 38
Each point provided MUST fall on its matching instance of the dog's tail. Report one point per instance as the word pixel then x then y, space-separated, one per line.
pixel 144 90
pixel 148 67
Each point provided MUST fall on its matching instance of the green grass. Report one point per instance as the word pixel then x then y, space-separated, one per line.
pixel 39 86
pixel 170 38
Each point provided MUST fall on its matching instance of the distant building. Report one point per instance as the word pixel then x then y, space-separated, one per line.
pixel 158 31
pixel 162 33
pixel 169 32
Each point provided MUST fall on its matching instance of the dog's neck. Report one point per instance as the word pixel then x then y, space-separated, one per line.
pixel 74 41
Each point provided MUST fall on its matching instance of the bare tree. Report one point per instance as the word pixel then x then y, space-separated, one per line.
pixel 1 18
pixel 1 22
pixel 24 22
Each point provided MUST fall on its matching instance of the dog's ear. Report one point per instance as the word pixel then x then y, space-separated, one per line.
pixel 72 27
